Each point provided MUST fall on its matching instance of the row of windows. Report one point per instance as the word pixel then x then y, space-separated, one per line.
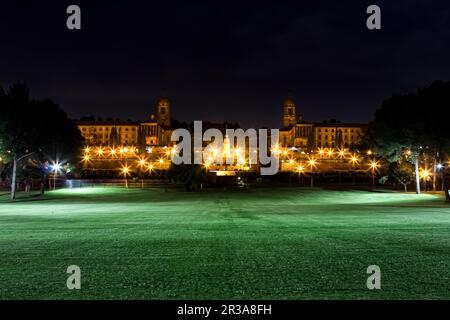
pixel 106 136
pixel 340 130
pixel 106 129
pixel 344 136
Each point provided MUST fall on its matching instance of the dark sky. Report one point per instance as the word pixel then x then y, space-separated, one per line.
pixel 224 60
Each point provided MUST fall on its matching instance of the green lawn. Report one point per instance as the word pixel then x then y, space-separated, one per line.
pixel 281 243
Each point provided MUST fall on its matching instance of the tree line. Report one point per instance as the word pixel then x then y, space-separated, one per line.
pixel 33 133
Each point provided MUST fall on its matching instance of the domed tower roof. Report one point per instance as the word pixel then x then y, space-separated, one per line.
pixel 163 100
pixel 289 101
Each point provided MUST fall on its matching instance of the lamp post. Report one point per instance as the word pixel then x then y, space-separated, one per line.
pixel 300 170
pixel 56 168
pixel 125 172
pixel 354 160
pixel 312 163
pixel 373 166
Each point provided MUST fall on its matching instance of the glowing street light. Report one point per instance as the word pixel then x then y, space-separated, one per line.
pixel 125 171
pixel 100 151
pixel 330 152
pixel 374 165
pixel 142 162
pixel 425 174
pixel 321 151
pixel 354 159
pixel 312 163
pixel 56 168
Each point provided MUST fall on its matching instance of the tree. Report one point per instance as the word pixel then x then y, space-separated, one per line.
pixel 413 124
pixel 188 174
pixel 402 171
pixel 34 128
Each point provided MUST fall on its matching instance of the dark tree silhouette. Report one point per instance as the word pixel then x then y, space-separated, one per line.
pixel 34 128
pixel 188 174
pixel 413 123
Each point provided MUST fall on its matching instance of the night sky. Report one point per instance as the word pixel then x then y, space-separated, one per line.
pixel 224 60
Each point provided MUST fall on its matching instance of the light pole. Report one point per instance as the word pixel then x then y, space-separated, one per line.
pixel 440 169
pixel 300 170
pixel 125 172
pixel 373 166
pixel 354 160
pixel 312 163
pixel 56 168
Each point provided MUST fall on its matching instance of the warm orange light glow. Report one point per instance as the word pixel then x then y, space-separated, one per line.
pixel 369 152
pixel 142 162
pixel 374 165
pixel 86 157
pixel 425 174
pixel 100 151
pixel 87 150
pixel 125 170
pixel 330 152
pixel 312 162
pixel 354 159
pixel 300 169
pixel 321 151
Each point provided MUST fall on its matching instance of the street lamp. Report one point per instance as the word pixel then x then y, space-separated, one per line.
pixel 312 163
pixel 125 171
pixel 354 161
pixel 56 168
pixel 300 170
pixel 374 165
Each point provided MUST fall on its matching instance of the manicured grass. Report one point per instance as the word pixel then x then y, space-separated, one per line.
pixel 280 243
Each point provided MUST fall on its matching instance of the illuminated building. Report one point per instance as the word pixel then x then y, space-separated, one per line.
pixel 306 135
pixel 154 131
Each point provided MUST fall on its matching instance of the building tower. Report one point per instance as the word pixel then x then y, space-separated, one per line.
pixel 289 113
pixel 163 113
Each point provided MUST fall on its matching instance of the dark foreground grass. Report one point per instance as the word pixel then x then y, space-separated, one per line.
pixel 257 244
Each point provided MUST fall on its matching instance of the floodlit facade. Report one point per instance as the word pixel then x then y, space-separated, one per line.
pixel 306 135
pixel 147 145
pixel 154 131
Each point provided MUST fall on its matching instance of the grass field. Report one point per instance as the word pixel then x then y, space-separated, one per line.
pixel 282 243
